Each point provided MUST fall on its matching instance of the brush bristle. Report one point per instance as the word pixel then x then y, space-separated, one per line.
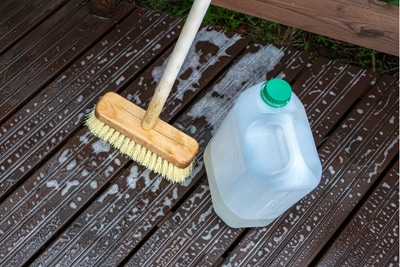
pixel 135 151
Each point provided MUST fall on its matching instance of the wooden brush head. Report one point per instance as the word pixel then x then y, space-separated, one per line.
pixel 164 140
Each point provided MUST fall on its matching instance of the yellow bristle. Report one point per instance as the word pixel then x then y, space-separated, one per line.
pixel 124 146
pixel 113 138
pixel 158 164
pixel 137 152
pixel 153 162
pixel 119 141
pixel 107 135
pixel 147 157
pixel 140 153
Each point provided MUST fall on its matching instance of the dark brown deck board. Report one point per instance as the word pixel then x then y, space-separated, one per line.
pixel 68 198
pixel 17 18
pixel 63 99
pixel 154 252
pixel 44 52
pixel 76 98
pixel 184 238
pixel 152 205
pixel 376 220
pixel 328 89
pixel 349 169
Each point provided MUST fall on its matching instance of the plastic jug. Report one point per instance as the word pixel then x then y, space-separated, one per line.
pixel 263 158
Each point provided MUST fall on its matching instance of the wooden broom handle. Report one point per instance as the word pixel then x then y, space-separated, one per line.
pixel 185 40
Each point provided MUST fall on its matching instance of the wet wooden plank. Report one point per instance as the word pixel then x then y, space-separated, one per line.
pixel 353 158
pixel 142 199
pixel 38 128
pixel 328 89
pixel 69 198
pixel 47 177
pixel 17 18
pixel 77 161
pixel 104 8
pixel 292 64
pixel 372 235
pixel 204 234
pixel 46 51
pixel 185 238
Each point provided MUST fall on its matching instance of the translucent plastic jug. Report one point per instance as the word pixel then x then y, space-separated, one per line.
pixel 263 158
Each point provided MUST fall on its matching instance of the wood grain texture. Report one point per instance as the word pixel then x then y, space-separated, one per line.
pixel 145 35
pixel 353 158
pixel 104 8
pixel 147 199
pixel 377 219
pixel 42 54
pixel 68 98
pixel 17 18
pixel 58 100
pixel 185 236
pixel 68 198
pixel 359 22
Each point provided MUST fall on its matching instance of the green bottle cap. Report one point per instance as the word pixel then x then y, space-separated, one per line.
pixel 276 93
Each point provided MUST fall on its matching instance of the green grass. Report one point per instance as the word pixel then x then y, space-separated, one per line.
pixel 263 30
pixel 392 2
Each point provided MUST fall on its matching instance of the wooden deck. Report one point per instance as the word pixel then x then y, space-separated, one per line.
pixel 69 199
pixel 368 23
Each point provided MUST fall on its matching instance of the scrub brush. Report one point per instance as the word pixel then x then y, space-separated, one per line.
pixel 139 133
